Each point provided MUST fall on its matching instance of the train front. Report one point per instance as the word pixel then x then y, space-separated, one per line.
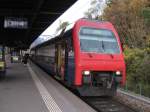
pixel 100 65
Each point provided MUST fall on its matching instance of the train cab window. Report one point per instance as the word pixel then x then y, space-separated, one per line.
pixel 98 40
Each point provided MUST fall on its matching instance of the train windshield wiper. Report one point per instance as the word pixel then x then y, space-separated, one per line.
pixel 103 47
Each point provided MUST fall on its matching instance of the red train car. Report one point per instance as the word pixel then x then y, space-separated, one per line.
pixel 88 57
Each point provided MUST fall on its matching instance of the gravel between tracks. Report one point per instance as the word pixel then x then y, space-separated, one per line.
pixel 137 102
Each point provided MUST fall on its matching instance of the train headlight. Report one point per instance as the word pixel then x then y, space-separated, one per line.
pixel 86 72
pixel 118 73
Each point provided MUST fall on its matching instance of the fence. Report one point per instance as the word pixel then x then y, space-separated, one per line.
pixel 143 90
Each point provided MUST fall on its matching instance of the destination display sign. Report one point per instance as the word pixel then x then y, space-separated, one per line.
pixel 18 23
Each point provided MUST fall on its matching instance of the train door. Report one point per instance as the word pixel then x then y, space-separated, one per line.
pixel 60 59
pixel 69 62
pixel 57 52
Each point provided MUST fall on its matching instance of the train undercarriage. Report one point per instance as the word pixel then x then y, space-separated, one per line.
pixel 99 84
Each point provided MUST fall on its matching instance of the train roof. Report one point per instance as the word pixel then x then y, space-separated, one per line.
pixel 40 41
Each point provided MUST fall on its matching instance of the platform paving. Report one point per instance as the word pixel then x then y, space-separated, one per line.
pixel 29 89
pixel 18 92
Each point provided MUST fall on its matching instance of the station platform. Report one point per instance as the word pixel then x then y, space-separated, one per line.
pixel 29 89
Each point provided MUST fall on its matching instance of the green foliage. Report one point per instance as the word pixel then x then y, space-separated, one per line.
pixel 133 59
pixel 138 69
pixel 132 20
pixel 146 14
pixel 146 90
pixel 127 17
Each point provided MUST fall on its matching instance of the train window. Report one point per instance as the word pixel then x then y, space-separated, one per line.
pixel 70 48
pixel 98 40
pixel 1 53
pixel 1 56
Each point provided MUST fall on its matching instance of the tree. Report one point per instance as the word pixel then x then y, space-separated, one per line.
pixel 126 15
pixel 62 26
pixel 95 10
pixel 131 18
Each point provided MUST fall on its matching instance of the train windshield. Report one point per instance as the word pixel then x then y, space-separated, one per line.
pixel 98 40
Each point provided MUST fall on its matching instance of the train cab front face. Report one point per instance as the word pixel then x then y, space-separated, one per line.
pixel 98 54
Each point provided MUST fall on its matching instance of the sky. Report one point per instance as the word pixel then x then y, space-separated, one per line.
pixel 75 12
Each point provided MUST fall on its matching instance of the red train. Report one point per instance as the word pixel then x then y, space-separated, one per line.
pixel 87 57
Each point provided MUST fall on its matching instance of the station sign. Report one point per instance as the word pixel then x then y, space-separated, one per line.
pixel 16 23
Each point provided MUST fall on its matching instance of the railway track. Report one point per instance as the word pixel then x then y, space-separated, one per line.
pixel 101 104
pixel 107 104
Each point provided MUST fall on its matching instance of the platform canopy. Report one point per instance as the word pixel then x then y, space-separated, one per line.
pixel 21 21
